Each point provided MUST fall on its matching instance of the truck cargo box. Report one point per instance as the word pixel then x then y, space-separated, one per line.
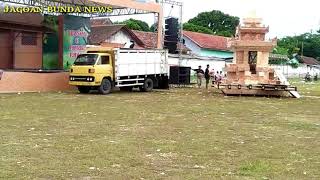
pixel 131 62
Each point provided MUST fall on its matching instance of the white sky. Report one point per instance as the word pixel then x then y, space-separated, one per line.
pixel 285 17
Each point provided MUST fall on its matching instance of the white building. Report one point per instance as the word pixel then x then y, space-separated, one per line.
pixel 193 61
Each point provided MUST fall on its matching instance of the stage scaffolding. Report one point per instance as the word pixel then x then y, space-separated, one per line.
pixel 117 10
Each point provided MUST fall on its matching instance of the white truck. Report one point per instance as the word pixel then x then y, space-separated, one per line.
pixel 103 68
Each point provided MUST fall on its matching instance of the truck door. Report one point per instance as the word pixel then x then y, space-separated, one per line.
pixel 105 65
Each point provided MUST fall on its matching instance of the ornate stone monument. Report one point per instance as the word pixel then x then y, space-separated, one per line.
pixel 250 72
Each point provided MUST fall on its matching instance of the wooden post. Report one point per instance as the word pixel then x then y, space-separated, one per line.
pixel 160 18
pixel 12 44
pixel 60 41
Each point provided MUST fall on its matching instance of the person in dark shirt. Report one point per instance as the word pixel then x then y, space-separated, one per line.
pixel 207 76
pixel 199 73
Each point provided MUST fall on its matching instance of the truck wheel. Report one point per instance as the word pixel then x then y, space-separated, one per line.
pixel 84 89
pixel 105 87
pixel 147 85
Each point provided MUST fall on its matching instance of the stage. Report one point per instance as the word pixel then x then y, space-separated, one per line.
pixel 268 90
pixel 14 81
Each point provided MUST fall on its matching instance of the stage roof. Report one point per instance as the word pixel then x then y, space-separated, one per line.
pixel 120 7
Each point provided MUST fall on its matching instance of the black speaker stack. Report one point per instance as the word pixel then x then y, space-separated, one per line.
pixel 180 75
pixel 171 37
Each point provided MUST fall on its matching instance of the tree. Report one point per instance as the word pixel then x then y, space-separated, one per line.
pixel 154 27
pixel 216 21
pixel 281 50
pixel 196 28
pixel 307 44
pixel 135 24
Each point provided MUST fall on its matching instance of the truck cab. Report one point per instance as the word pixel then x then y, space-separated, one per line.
pixel 91 68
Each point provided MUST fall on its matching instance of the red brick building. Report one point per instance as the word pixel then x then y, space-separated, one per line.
pixel 21 41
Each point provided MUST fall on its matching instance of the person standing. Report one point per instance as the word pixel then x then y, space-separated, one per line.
pixel 207 76
pixel 212 76
pixel 216 77
pixel 220 77
pixel 199 73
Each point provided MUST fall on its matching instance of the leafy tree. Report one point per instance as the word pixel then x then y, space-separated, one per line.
pixel 289 43
pixel 136 25
pixel 154 27
pixel 281 50
pixel 196 28
pixel 216 21
pixel 307 44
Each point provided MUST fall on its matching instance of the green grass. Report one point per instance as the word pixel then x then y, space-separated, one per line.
pixel 176 134
pixel 254 168
pixel 307 89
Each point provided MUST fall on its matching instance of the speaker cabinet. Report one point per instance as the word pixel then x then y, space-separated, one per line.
pixel 179 75
pixel 171 37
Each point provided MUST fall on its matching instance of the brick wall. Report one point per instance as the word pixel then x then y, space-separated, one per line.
pixel 5 50
pixel 28 56
pixel 34 82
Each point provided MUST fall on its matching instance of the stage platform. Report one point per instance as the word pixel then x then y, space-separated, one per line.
pixel 13 81
pixel 272 90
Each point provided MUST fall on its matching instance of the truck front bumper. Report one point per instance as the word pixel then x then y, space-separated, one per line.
pixel 73 83
pixel 83 81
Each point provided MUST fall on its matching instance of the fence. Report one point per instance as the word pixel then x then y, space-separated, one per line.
pixel 299 72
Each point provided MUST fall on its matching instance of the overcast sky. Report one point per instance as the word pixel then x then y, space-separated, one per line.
pixel 285 17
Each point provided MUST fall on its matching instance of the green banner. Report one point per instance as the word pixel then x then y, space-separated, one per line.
pixel 76 31
pixel 50 44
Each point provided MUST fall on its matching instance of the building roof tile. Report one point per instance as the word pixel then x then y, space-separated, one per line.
pixel 33 19
pixel 309 60
pixel 149 39
pixel 100 33
pixel 100 22
pixel 207 41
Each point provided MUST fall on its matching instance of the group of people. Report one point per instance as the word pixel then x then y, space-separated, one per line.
pixel 208 75
pixel 308 77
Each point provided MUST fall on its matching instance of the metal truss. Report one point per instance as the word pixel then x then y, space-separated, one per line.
pixel 125 11
pixel 117 11
pixel 180 33
pixel 172 2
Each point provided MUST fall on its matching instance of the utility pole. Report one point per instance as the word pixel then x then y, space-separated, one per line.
pixel 302 48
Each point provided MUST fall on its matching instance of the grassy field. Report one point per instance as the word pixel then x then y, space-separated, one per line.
pixel 175 134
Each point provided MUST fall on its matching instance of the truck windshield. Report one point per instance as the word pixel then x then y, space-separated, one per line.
pixel 86 59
